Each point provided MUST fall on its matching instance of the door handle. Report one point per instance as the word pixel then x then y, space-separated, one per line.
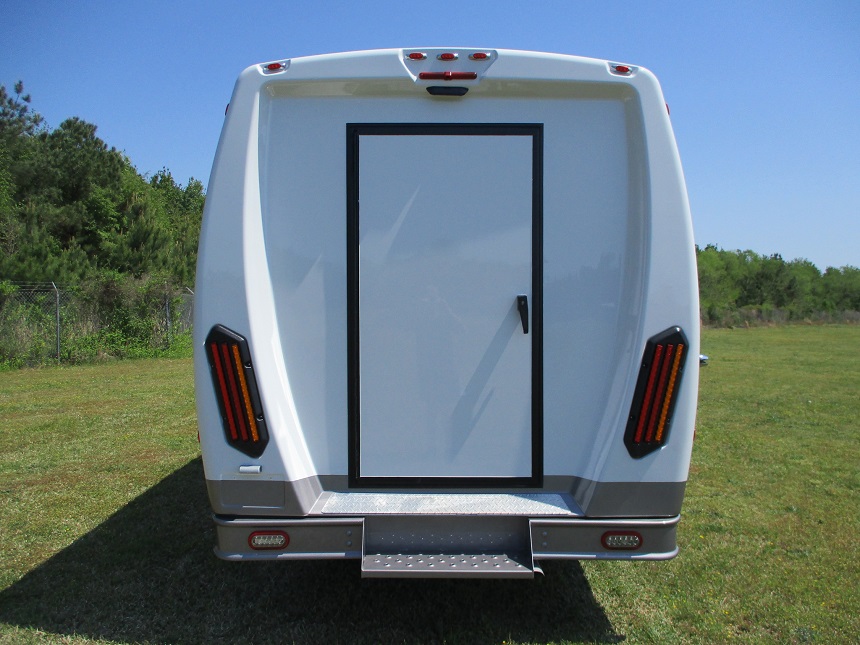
pixel 523 308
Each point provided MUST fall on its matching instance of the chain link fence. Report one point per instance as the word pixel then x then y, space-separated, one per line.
pixel 43 322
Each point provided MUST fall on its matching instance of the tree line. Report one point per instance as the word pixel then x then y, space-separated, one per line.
pixel 76 213
pixel 742 286
pixel 73 210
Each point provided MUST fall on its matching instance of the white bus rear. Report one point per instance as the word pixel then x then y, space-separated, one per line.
pixel 446 304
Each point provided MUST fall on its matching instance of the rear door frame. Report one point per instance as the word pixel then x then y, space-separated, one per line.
pixel 354 131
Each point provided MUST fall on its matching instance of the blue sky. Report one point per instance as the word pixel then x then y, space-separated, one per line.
pixel 765 96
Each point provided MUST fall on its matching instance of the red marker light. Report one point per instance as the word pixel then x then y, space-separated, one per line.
pixel 447 56
pixel 416 56
pixel 622 69
pixel 479 56
pixel 274 68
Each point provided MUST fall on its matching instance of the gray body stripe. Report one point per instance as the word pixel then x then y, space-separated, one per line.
pixel 306 497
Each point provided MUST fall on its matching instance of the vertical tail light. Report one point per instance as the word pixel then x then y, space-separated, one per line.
pixel 656 392
pixel 236 391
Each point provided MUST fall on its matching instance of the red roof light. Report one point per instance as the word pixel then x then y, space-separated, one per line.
pixel 448 76
pixel 274 67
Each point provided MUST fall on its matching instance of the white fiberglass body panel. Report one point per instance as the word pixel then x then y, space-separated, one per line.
pixel 617 264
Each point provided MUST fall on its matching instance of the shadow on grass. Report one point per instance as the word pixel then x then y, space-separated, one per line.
pixel 148 574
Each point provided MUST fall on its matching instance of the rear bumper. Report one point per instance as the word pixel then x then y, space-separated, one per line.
pixel 447 546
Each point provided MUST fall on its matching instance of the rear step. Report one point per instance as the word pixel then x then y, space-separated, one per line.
pixel 446 546
pixel 447 566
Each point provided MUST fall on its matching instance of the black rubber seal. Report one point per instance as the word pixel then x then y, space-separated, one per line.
pixel 439 90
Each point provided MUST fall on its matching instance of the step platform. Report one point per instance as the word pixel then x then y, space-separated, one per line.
pixel 447 566
pixel 522 504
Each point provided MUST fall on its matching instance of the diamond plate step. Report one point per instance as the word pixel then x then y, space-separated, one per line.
pixel 524 504
pixel 446 566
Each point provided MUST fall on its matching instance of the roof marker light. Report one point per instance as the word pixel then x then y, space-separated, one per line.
pixel 479 56
pixel 274 67
pixel 448 56
pixel 416 56
pixel 619 69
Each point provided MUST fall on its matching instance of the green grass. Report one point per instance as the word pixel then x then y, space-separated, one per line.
pixel 105 533
pixel 77 444
pixel 768 537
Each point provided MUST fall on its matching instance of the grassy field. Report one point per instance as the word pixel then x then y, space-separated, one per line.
pixel 105 533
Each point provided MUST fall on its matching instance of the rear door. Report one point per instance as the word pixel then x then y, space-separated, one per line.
pixel 444 257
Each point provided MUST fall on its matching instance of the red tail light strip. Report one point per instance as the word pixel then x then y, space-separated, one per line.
pixel 656 392
pixel 222 389
pixel 646 408
pixel 236 391
pixel 659 401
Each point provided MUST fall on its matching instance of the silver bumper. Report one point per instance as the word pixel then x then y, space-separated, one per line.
pixel 448 546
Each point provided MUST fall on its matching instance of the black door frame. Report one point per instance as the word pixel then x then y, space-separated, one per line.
pixel 354 131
